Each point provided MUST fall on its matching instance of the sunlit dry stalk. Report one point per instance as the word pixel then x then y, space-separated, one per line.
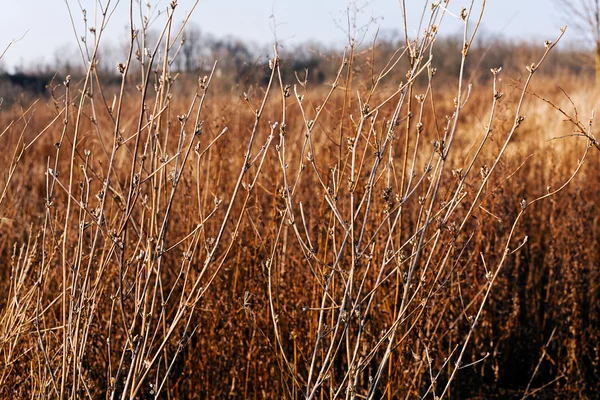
pixel 325 242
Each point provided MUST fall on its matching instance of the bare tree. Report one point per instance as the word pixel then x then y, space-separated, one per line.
pixel 191 49
pixel 584 15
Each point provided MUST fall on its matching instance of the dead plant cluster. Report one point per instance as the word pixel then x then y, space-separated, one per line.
pixel 383 236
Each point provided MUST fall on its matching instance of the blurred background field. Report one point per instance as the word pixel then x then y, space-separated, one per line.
pixel 410 216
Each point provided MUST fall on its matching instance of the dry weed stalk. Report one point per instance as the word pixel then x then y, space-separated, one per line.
pixel 350 246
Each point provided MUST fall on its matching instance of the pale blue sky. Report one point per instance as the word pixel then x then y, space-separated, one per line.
pixel 48 31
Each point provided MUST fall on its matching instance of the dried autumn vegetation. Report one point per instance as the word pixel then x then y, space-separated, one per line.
pixel 387 234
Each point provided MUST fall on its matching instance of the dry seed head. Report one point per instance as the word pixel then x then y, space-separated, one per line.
pixel 414 52
pixel 419 128
pixel 350 143
pixel 350 184
pixel 386 192
pixel 203 83
pixel 453 228
pixel 210 242
pixel 439 147
pixel 272 63
pixel 466 48
pixel 440 223
pixel 523 204
pixel 496 71
pixel 198 128
pixel 484 171
pixel 365 109
pixel 457 173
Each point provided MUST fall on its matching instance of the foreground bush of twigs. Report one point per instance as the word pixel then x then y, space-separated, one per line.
pixel 374 239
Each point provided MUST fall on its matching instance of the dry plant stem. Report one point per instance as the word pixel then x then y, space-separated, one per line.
pixel 69 324
pixel 13 41
pixel 281 152
pixel 117 144
pixel 288 195
pixel 16 157
pixel 332 350
pixel 308 251
pixel 338 257
pixel 137 366
pixel 132 187
pixel 196 291
pixel 355 276
pixel 581 129
pixel 101 216
pixel 517 122
pixel 48 225
pixel 505 254
pixel 308 141
pixel 142 312
pixel 347 91
pixel 445 147
pixel 347 234
pixel 542 356
pixel 13 122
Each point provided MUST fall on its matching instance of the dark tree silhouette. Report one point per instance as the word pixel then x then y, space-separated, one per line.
pixel 584 15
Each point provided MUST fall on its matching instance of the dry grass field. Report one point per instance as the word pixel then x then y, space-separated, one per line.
pixel 397 232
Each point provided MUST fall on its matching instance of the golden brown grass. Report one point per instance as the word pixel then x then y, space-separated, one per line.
pixel 385 235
